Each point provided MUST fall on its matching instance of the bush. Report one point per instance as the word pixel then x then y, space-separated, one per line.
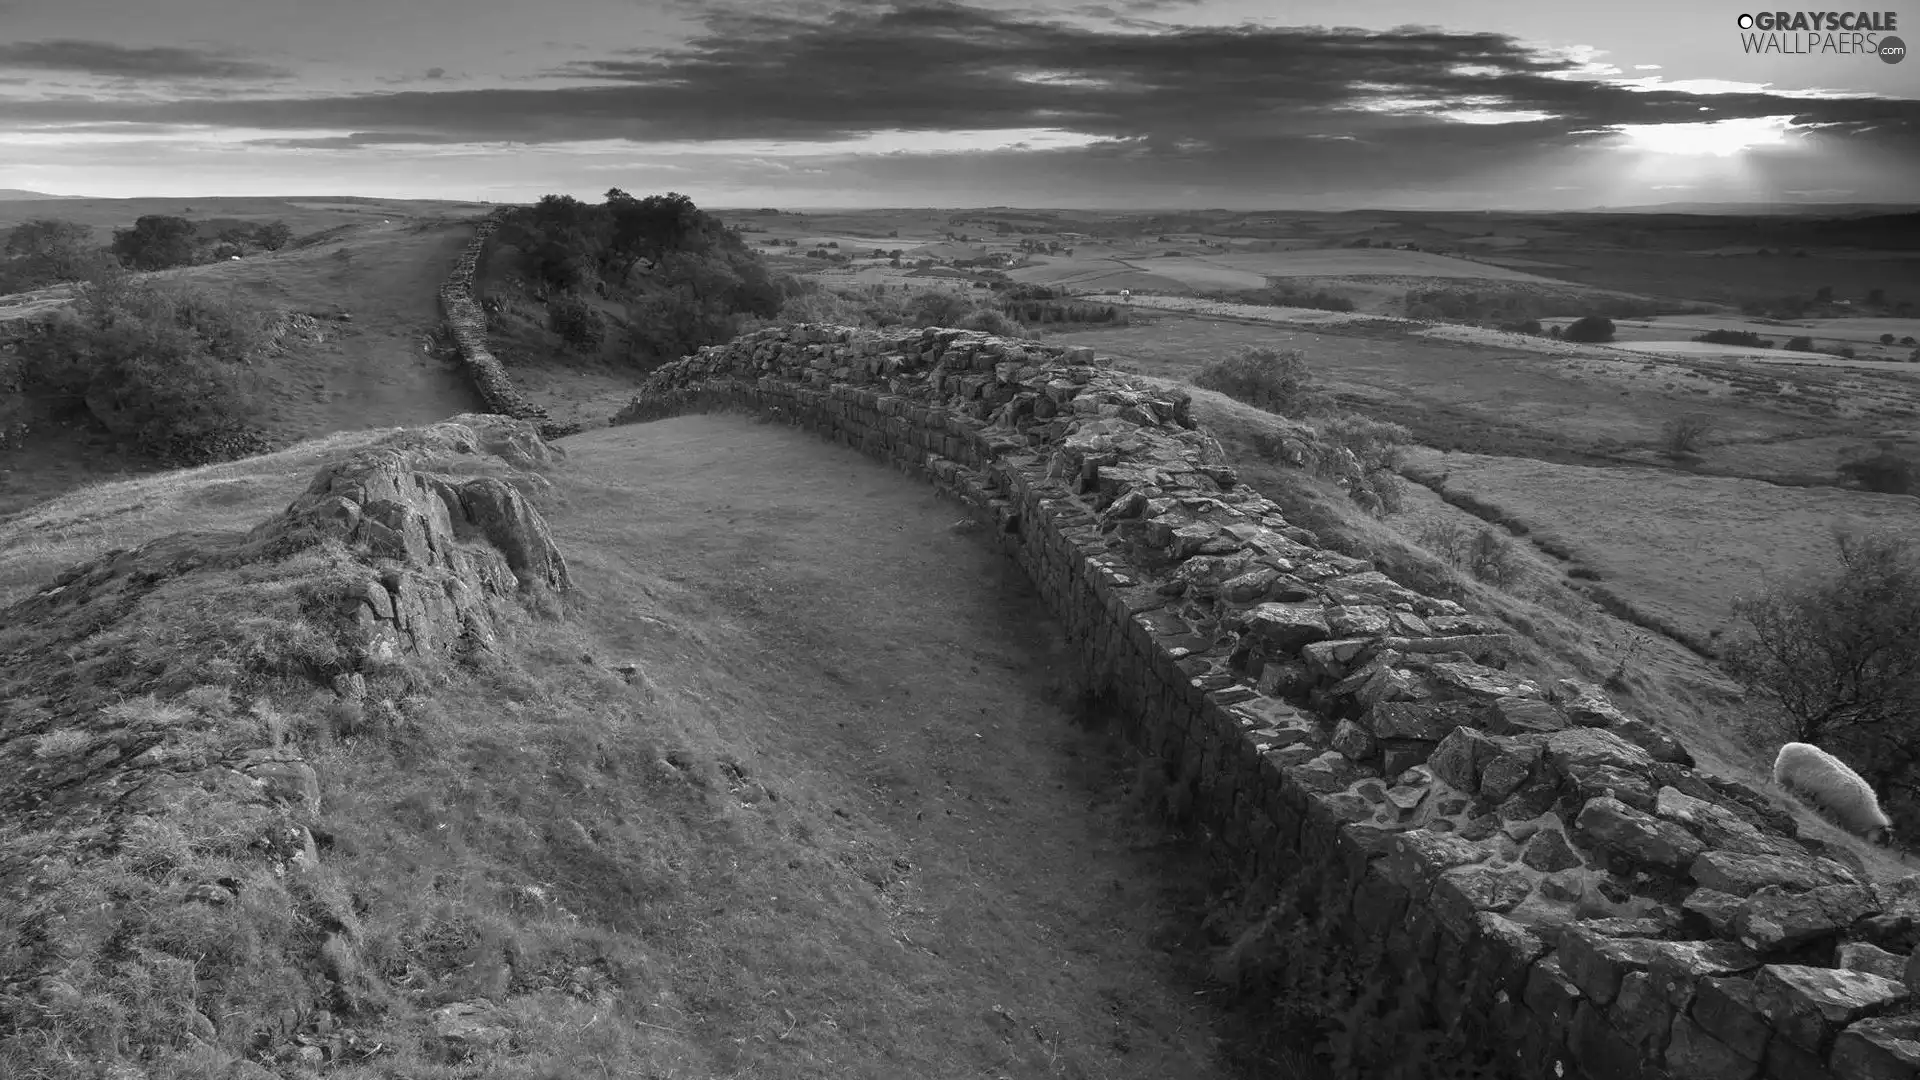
pixel 1279 382
pixel 1884 471
pixel 164 368
pixel 273 236
pixel 1364 459
pixel 580 324
pixel 1491 558
pixel 1683 436
pixel 1735 337
pixel 994 322
pixel 938 307
pixel 1594 329
pixel 156 242
pixel 1800 344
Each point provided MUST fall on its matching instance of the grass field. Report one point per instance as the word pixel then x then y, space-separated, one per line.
pixel 1676 546
pixel 303 216
pixel 1576 405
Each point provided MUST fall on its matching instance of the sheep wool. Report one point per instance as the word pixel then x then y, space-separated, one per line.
pixel 1827 782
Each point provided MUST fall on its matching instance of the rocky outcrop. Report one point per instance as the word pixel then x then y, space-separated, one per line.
pixel 142 693
pixel 441 549
pixel 1362 746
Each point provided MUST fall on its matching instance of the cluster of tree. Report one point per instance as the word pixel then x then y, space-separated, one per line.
pixel 1036 312
pixel 1288 296
pixel 1746 338
pixel 165 368
pixel 1823 304
pixel 48 251
pixel 685 278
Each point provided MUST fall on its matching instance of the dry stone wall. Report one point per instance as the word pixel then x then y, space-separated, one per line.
pixel 467 324
pixel 1428 815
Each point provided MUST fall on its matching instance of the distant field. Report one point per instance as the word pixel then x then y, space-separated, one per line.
pixel 1490 392
pixel 302 216
pixel 1680 547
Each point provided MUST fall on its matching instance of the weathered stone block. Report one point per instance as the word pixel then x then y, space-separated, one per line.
pixel 1743 875
pixel 1645 839
pixel 1726 1009
pixel 1431 721
pixel 1872 959
pixel 1524 715
pixel 1773 919
pixel 1694 1054
pixel 1597 963
pixel 1808 1006
pixel 1882 1048
pixel 1550 995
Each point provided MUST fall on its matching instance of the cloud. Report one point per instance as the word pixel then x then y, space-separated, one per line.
pixel 142 62
pixel 1174 101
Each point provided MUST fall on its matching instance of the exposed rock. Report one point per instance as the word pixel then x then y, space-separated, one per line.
pixel 1742 875
pixel 1809 1005
pixel 1774 919
pixel 1548 851
pixel 1860 956
pixel 469 1027
pixel 1644 838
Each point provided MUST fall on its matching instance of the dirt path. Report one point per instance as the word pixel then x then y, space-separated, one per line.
pixel 951 884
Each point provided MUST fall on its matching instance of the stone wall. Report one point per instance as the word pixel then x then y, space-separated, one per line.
pixel 1448 827
pixel 467 324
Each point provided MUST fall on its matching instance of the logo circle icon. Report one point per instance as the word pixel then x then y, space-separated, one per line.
pixel 1745 22
pixel 1892 50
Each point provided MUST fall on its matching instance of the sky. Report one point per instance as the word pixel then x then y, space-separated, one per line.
pixel 1123 104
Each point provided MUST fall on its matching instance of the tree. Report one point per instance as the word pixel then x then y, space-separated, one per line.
pixel 1838 655
pixel 1592 329
pixel 273 236
pixel 155 242
pixel 1823 295
pixel 44 251
pixel 1683 436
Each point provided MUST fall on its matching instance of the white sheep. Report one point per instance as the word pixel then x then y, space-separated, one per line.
pixel 1827 782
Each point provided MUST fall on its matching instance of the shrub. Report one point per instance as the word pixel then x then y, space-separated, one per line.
pixel 1886 339
pixel 273 236
pixel 1592 329
pixel 1279 382
pixel 577 321
pixel 166 369
pixel 155 242
pixel 1800 344
pixel 1735 337
pixel 1491 558
pixel 990 321
pixel 1684 435
pixel 1884 471
pixel 938 307
pixel 1446 538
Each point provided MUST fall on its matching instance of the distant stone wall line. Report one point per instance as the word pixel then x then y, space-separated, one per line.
pixel 1357 744
pixel 467 323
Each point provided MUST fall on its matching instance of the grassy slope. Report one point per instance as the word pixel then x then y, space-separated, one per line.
pixel 838 827
pixel 372 371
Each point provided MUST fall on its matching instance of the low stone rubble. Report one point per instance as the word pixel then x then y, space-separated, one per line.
pixel 1365 739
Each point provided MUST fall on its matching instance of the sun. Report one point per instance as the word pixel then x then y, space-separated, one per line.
pixel 1719 138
